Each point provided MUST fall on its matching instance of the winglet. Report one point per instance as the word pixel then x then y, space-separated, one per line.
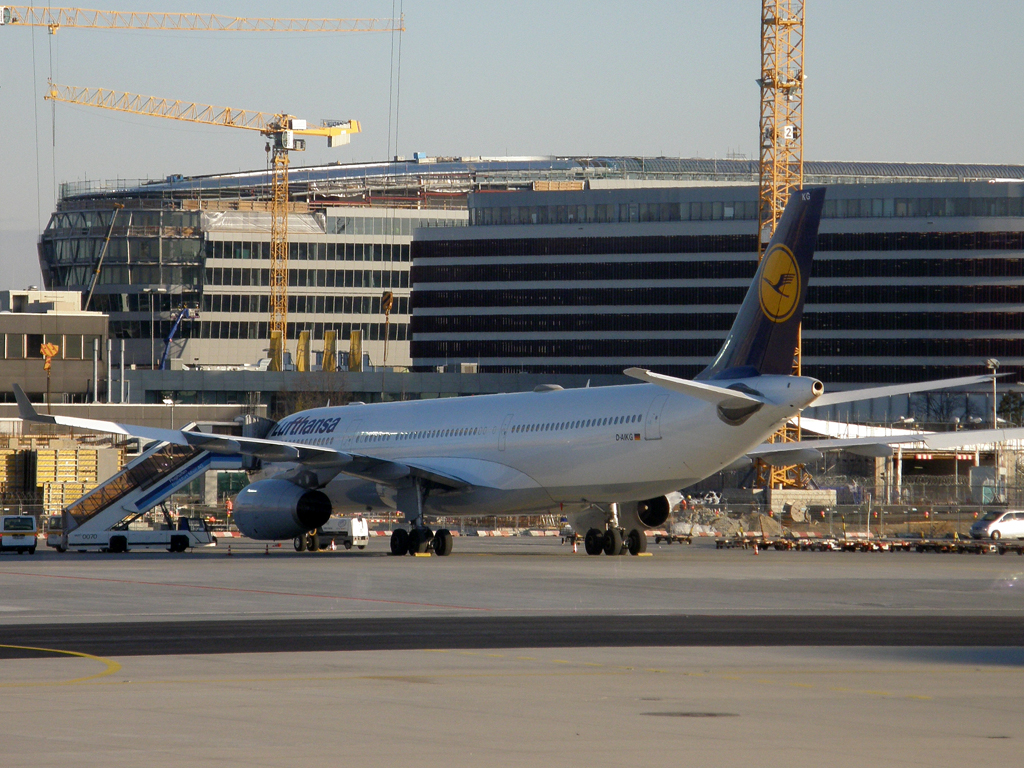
pixel 25 409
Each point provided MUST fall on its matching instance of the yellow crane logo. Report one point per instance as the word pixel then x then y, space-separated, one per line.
pixel 780 285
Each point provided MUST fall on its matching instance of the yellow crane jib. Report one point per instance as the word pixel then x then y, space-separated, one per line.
pixel 287 133
pixel 269 124
pixel 55 18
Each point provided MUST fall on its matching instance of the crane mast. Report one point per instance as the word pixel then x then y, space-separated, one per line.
pixel 279 258
pixel 781 165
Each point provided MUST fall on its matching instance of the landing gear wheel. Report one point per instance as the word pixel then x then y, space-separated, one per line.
pixel 300 543
pixel 593 542
pixel 419 540
pixel 443 543
pixel 636 542
pixel 313 541
pixel 399 541
pixel 613 542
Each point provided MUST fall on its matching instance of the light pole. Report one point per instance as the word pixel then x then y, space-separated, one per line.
pixel 152 335
pixel 171 402
pixel 993 365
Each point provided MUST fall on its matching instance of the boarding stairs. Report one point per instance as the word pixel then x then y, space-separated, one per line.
pixel 146 482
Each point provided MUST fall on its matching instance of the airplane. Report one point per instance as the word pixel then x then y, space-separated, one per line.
pixel 609 457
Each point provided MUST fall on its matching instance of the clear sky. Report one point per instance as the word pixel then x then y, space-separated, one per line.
pixel 917 80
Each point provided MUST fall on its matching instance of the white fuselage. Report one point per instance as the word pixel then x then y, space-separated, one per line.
pixel 536 451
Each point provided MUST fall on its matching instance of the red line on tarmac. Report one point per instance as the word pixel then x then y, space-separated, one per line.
pixel 248 591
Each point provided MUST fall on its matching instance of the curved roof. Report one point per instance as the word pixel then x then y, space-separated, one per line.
pixel 428 170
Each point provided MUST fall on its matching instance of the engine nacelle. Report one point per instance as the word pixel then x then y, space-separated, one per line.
pixel 277 509
pixel 653 513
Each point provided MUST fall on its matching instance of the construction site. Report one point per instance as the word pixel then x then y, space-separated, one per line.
pixel 223 297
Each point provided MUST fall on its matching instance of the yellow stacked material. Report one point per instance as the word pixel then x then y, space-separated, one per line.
pixel 57 495
pixel 66 465
pixel 10 475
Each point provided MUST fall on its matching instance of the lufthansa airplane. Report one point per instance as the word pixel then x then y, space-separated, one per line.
pixel 606 455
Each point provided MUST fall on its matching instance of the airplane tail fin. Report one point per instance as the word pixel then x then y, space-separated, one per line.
pixel 763 337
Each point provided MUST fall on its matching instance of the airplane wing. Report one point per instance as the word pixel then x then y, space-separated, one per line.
pixel 881 445
pixel 319 457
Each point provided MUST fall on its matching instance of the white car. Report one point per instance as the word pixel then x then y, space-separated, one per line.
pixel 18 534
pixel 1007 524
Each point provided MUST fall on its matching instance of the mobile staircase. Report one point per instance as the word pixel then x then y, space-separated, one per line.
pixel 101 519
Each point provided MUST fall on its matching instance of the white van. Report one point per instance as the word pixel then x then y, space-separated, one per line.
pixel 18 534
pixel 1008 524
pixel 347 531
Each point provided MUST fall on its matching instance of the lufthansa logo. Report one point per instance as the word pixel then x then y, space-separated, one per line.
pixel 779 288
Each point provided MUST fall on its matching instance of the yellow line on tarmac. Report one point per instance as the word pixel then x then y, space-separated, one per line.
pixel 111 666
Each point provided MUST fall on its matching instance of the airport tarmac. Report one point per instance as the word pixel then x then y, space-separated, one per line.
pixel 511 652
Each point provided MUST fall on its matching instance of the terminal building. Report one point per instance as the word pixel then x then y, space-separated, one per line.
pixel 575 267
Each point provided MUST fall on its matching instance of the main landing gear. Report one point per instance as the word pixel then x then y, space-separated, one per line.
pixel 310 541
pixel 615 540
pixel 419 539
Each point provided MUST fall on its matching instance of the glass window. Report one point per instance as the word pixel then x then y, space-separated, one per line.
pixel 33 341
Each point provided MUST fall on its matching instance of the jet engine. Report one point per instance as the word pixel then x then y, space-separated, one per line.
pixel 653 513
pixel 278 509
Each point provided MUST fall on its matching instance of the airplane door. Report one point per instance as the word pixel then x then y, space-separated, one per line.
pixel 504 431
pixel 353 431
pixel 652 425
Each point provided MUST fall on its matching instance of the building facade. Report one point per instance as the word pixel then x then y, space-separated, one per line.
pixel 581 265
pixel 28 320
pixel 911 280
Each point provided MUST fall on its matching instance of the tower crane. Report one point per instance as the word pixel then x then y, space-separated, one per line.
pixel 781 163
pixel 56 18
pixel 285 133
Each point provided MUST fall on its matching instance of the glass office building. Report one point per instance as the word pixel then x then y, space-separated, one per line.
pixel 912 279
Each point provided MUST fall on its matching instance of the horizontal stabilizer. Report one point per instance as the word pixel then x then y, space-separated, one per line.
pixel 702 391
pixel 855 395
